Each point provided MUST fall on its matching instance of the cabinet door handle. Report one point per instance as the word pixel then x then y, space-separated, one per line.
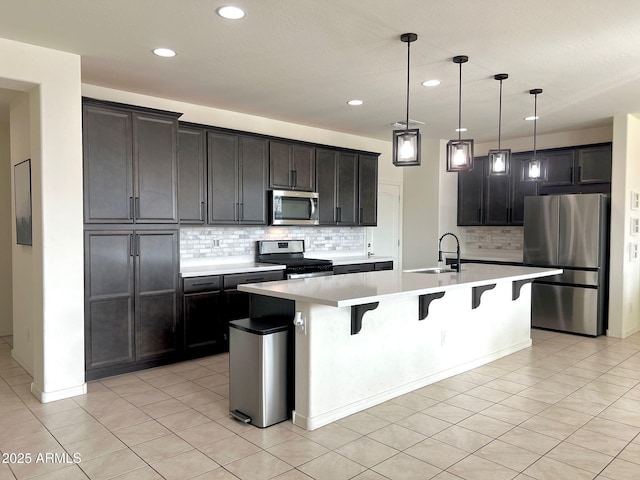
pixel 241 214
pixel 130 208
pixel 295 178
pixel 202 211
pixel 571 174
pixel 291 178
pixel 131 245
pixel 480 215
pixel 137 245
pixel 579 179
pixel 137 207
pixel 236 208
pixel 360 215
pixel 339 214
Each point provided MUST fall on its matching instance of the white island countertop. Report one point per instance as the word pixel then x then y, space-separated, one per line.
pixel 361 288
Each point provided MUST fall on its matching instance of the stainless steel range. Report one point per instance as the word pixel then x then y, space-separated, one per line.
pixel 291 254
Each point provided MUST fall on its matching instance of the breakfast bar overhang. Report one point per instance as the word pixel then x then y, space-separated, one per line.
pixel 365 338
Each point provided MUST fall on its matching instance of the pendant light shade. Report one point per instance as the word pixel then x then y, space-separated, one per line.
pixel 499 159
pixel 460 152
pixel 406 143
pixel 535 168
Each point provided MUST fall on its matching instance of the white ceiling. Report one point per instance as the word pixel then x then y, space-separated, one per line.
pixel 301 60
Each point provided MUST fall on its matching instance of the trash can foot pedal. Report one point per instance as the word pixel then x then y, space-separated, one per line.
pixel 240 416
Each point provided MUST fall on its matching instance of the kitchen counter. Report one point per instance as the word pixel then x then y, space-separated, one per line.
pixel 368 337
pixel 226 269
pixel 360 288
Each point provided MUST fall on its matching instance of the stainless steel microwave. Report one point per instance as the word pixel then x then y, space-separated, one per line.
pixel 294 208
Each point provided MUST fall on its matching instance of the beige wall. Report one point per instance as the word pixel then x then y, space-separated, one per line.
pixel 420 208
pixel 569 138
pixel 6 220
pixel 25 280
pixel 48 284
pixel 624 288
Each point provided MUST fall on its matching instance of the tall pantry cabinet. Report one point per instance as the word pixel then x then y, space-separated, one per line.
pixel 131 237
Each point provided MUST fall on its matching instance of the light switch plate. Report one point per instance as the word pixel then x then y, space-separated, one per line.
pixel 633 251
pixel 635 200
pixel 635 226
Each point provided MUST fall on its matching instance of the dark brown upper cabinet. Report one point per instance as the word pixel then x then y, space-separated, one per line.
pixel 499 200
pixel 584 169
pixel 130 165
pixel 292 166
pixel 337 177
pixel 237 179
pixel 504 195
pixel 471 186
pixel 594 165
pixel 367 190
pixel 192 167
pixel 560 168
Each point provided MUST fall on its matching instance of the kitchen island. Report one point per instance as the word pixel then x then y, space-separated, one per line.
pixel 368 337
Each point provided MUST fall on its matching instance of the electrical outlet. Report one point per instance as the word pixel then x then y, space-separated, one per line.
pixel 635 225
pixel 635 200
pixel 633 251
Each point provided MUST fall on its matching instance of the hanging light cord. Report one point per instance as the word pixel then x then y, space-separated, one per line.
pixel 408 68
pixel 460 103
pixel 500 116
pixel 535 121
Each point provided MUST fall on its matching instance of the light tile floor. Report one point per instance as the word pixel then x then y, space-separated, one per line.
pixel 566 408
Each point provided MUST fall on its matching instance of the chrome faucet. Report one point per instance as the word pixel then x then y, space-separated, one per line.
pixel 440 251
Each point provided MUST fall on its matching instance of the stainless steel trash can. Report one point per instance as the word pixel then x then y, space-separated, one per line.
pixel 258 370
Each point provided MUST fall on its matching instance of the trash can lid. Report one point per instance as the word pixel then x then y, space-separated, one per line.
pixel 262 325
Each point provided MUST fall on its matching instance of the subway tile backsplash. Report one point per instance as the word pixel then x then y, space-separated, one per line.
pixel 495 238
pixel 218 242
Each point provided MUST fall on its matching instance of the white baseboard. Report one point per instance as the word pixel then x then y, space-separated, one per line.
pixel 46 397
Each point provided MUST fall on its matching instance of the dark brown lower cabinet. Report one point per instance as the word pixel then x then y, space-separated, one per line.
pixel 204 332
pixel 131 300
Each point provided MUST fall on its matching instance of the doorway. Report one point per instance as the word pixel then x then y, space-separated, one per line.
pixel 384 240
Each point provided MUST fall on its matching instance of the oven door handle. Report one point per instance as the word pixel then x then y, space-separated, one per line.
pixel 293 276
pixel 313 207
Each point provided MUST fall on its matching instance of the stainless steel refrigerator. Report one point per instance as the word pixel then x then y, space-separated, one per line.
pixel 570 232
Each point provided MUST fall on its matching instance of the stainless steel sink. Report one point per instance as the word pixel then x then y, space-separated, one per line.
pixel 431 270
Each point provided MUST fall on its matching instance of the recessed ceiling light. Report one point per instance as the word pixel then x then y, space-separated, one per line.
pixel 230 12
pixel 461 129
pixel 355 102
pixel 431 83
pixel 164 52
pixel 531 118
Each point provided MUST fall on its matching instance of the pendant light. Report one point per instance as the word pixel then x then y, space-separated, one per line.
pixel 499 159
pixel 406 143
pixel 535 168
pixel 460 152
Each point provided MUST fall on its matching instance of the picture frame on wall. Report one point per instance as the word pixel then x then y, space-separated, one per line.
pixel 22 182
